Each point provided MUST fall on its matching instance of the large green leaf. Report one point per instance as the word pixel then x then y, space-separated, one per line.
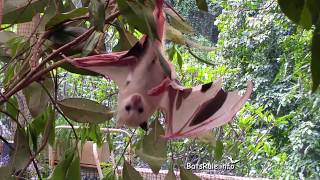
pixel 74 169
pixel 66 16
pixel 126 40
pixel 85 110
pixel 315 62
pixel 60 171
pixel 202 5
pixel 292 8
pixel 38 126
pixel 12 107
pixel 302 12
pixel 154 147
pixel 91 43
pixel 187 174
pixel 177 23
pixel 19 11
pixel 5 36
pixel 314 8
pixel 37 97
pixel 51 10
pixel 129 173
pixel 97 14
pixel 21 153
pixel 9 74
pixel 218 151
pixel 73 69
pixel 139 16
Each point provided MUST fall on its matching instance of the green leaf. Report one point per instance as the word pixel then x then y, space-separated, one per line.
pixel 91 43
pixel 74 168
pixel 73 69
pixel 187 174
pixel 50 11
pixel 306 17
pixel 43 124
pixel 60 171
pixel 315 62
pixel 17 45
pixel 97 13
pixel 19 11
pixel 218 151
pixel 9 74
pixel 170 175
pixel 60 18
pixel 21 153
pixel 5 36
pixel 202 5
pixel 154 148
pixel 126 41
pixel 314 8
pixel 292 8
pixel 179 59
pixel 36 96
pixel 85 110
pixel 12 107
pixel 129 173
pixel 178 25
pixel 139 16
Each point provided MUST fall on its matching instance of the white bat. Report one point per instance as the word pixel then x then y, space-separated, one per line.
pixel 144 87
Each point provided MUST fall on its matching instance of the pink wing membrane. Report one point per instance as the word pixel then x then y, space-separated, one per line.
pixel 192 112
pixel 115 66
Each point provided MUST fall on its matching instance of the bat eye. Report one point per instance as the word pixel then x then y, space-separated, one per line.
pixel 128 107
pixel 140 110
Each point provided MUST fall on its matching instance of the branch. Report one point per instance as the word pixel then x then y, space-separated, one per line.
pixel 200 59
pixel 24 81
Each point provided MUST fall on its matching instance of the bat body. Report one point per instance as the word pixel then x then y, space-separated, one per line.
pixel 144 87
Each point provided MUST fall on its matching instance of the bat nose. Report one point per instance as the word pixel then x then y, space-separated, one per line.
pixel 136 100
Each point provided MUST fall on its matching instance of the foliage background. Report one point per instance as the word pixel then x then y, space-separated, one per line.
pixel 276 134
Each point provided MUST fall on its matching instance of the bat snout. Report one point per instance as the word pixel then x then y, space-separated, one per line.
pixel 135 104
pixel 136 100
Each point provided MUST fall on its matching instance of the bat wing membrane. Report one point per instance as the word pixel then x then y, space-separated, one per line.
pixel 115 66
pixel 193 111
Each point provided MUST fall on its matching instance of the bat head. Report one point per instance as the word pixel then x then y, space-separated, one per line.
pixel 132 111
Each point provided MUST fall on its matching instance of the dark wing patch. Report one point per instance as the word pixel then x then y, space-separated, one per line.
pixel 205 87
pixel 182 95
pixel 209 108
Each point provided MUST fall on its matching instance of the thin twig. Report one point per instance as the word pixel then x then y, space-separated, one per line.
pixel 6 142
pixel 199 59
pixel 124 151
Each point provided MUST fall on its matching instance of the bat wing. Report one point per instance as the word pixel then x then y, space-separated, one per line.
pixel 193 111
pixel 115 66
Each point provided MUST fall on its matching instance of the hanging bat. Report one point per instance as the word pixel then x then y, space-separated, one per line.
pixel 144 87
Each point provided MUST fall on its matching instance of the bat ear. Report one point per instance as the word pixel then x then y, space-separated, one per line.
pixel 193 111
